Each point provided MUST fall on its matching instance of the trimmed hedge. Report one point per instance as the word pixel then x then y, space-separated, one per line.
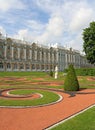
pixel 84 71
pixel 71 82
pixel 51 73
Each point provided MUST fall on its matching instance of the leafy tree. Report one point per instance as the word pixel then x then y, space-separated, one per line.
pixel 89 42
pixel 71 82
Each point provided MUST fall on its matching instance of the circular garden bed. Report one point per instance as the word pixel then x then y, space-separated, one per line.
pixel 28 98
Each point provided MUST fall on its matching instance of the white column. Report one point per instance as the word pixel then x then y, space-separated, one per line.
pixel 25 53
pixel 45 56
pixel 12 52
pixel 66 59
pixel 35 55
pixel 18 53
pixel 40 55
pixel 30 54
pixel 49 57
pixel 73 58
pixel 5 54
pixel 57 57
pixel 52 57
pixel 69 57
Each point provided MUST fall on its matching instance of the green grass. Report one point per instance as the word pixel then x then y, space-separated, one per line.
pixel 20 74
pixel 32 77
pixel 21 92
pixel 48 97
pixel 84 83
pixel 84 121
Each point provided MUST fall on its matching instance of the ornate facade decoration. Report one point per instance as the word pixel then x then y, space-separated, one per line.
pixel 15 52
pixel 16 55
pixel 1 51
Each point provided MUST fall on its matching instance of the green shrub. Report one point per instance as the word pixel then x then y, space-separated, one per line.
pixel 51 73
pixel 71 82
pixel 85 72
pixel 65 70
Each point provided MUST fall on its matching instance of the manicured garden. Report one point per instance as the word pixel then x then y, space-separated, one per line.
pixel 84 121
pixel 32 80
pixel 40 79
pixel 47 98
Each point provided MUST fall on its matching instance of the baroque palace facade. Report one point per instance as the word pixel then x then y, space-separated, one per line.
pixel 17 55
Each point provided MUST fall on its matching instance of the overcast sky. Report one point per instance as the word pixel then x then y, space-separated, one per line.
pixel 47 21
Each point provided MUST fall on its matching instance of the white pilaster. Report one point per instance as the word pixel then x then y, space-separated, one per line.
pixel 18 53
pixel 25 53
pixel 12 52
pixel 35 55
pixel 57 57
pixel 40 55
pixel 5 54
pixel 52 57
pixel 30 54
pixel 49 57
pixel 44 56
pixel 66 59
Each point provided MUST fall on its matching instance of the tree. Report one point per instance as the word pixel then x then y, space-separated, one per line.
pixel 89 42
pixel 71 82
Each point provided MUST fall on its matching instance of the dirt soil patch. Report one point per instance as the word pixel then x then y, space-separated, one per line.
pixel 12 79
pixel 91 78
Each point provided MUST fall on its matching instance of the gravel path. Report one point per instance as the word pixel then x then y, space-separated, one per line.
pixel 43 117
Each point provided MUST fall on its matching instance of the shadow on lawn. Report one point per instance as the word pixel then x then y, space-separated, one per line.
pixel 74 93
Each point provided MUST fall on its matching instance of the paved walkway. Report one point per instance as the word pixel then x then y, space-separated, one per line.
pixel 42 117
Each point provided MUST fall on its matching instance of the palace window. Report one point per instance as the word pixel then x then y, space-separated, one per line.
pixel 27 66
pixel 21 66
pixel 15 66
pixel 33 66
pixel 8 66
pixel 38 66
pixel 1 65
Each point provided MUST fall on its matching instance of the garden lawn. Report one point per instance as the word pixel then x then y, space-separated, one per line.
pixel 84 121
pixel 12 80
pixel 48 97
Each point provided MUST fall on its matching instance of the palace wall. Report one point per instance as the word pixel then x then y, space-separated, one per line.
pixel 16 55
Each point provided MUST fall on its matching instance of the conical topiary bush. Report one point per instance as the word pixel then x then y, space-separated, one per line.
pixel 71 82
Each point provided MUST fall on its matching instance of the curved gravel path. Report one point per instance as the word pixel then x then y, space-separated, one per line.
pixel 43 117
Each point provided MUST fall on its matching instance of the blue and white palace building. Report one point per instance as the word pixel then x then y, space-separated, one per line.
pixel 17 55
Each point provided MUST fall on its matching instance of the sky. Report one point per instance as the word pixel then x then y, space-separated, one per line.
pixel 47 21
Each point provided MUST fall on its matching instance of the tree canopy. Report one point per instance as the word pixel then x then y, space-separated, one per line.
pixel 89 42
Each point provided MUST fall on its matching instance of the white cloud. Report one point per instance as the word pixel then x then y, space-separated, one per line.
pixel 2 30
pixel 6 5
pixel 55 26
pixel 48 5
pixel 66 20
pixel 46 33
pixel 81 19
pixel 76 43
pixel 22 34
pixel 35 25
pixel 53 31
